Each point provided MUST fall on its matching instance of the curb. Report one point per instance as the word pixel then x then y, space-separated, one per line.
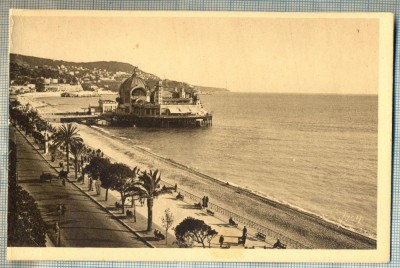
pixel 91 198
pixel 115 217
pixel 49 243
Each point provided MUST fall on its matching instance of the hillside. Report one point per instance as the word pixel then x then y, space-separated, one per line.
pixel 105 74
pixel 112 66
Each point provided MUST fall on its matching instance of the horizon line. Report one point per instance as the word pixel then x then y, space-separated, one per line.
pixel 228 90
pixel 303 93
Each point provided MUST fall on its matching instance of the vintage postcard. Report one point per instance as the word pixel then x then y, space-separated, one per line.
pixel 200 136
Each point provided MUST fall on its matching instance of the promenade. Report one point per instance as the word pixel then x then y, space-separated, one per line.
pixel 296 228
pixel 84 223
pixel 90 221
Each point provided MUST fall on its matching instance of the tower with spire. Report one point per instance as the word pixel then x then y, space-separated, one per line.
pixel 158 98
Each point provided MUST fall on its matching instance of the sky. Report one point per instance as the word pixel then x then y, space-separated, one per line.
pixel 257 54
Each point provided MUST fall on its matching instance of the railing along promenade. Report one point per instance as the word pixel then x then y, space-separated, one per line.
pixel 248 223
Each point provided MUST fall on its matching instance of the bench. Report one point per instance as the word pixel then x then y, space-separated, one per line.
pixel 261 236
pixel 234 224
pixel 198 205
pixel 279 246
pixel 158 235
pixel 240 240
pixel 210 212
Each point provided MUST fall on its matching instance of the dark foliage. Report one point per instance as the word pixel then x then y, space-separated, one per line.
pixel 120 179
pixel 26 227
pixel 193 230
pixel 97 166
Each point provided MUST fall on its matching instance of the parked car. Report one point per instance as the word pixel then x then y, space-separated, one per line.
pixel 46 176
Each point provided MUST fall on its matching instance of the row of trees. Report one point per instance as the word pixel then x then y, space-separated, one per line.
pixel 28 120
pixel 66 137
pixel 130 182
pixel 115 176
pixel 127 182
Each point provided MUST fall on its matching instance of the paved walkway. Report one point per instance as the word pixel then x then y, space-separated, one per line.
pixel 180 210
pixel 84 224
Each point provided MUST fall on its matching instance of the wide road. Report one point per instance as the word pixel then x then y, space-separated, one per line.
pixel 84 224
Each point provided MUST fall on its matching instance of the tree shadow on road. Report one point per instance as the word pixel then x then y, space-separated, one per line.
pixel 30 159
pixel 33 181
pixel 186 206
pixel 94 228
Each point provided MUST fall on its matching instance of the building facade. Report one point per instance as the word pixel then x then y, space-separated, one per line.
pixel 140 104
pixel 53 85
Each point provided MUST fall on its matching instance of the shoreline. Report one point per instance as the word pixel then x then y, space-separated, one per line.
pixel 249 192
pixel 291 222
pixel 283 218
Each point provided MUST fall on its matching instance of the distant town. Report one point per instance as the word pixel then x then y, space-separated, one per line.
pixel 31 74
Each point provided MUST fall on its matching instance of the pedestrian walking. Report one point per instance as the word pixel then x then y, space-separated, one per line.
pixel 244 239
pixel 221 241
pixel 56 227
pixel 244 231
pixel 206 201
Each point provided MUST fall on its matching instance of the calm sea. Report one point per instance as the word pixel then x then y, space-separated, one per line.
pixel 314 152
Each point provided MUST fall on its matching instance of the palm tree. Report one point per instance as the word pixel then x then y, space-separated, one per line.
pixel 77 150
pixel 65 136
pixel 149 188
pixel 33 117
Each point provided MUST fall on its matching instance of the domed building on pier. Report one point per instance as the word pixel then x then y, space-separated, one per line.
pixel 141 105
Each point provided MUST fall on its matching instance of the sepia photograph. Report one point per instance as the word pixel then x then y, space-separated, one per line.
pixel 208 136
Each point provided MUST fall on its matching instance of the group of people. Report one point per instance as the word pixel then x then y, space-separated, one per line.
pixel 279 244
pixel 242 239
pixel 141 201
pixel 129 214
pixel 158 235
pixel 205 201
pixel 179 196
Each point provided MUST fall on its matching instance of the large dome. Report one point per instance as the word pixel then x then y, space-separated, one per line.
pixel 133 86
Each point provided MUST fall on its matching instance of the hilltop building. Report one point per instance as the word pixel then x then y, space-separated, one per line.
pixel 20 89
pixel 53 85
pixel 141 105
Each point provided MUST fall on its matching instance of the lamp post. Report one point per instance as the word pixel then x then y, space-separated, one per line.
pixel 46 142
pixel 134 198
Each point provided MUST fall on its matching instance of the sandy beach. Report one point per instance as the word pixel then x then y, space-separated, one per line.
pixel 307 229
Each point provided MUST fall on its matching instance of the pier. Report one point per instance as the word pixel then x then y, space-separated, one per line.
pixel 164 121
pixel 130 120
